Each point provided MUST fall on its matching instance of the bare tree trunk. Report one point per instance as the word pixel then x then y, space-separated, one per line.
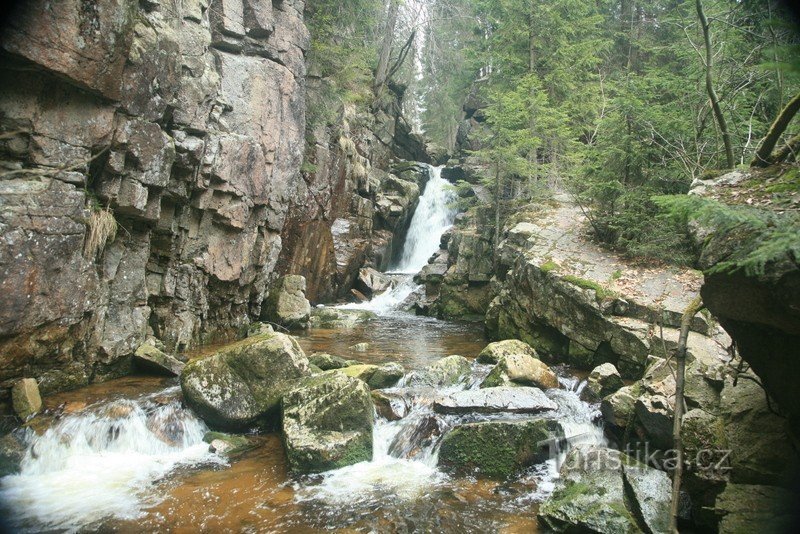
pixel 386 47
pixel 680 381
pixel 712 94
pixel 497 190
pixel 764 151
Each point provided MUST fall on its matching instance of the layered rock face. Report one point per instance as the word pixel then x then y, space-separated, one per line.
pixel 183 120
pixel 360 195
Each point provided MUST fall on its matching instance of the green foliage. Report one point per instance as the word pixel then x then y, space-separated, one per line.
pixel 758 236
pixel 601 292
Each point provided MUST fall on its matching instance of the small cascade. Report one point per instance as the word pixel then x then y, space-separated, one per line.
pixel 101 462
pixel 434 215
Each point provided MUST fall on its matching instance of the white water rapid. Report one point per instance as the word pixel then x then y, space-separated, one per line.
pixel 102 461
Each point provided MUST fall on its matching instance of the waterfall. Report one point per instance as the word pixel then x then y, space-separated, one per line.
pixel 101 462
pixel 434 215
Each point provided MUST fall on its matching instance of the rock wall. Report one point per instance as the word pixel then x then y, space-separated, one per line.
pixel 360 194
pixel 184 119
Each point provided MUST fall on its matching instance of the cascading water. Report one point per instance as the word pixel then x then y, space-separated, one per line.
pixel 434 215
pixel 102 461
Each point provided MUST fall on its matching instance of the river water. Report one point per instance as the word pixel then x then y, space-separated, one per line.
pixel 127 456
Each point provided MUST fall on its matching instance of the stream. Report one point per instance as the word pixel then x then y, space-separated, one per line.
pixel 127 456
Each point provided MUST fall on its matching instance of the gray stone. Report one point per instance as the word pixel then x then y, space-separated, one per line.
pixel 326 362
pixel 151 359
pixel 287 304
pixel 520 369
pixel 334 318
pixel 495 400
pixel 327 423
pixel 242 384
pixel 445 372
pixel 603 381
pixel 494 351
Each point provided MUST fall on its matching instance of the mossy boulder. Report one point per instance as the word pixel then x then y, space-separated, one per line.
pixel 327 423
pixel 496 449
pixel 362 371
pixel 241 385
pixel 386 375
pixel 494 351
pixel 448 371
pixel 602 490
pixel 618 408
pixel 520 369
pixel 326 362
pixel 287 304
pixel 336 318
pixel 25 398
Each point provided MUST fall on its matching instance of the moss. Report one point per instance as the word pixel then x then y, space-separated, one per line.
pixel 601 292
pixel 549 266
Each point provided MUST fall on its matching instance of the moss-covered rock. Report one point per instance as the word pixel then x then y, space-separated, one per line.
pixel 496 449
pixel 25 398
pixel 448 371
pixel 326 362
pixel 602 490
pixel 242 384
pixel 520 370
pixel 287 304
pixel 327 423
pixel 494 351
pixel 386 375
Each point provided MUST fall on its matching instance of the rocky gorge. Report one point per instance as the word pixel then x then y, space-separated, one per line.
pixel 204 285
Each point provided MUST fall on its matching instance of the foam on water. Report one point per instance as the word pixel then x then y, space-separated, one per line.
pixel 101 463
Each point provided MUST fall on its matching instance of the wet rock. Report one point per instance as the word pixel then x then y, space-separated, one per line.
pixel 229 445
pixel 496 449
pixel 520 370
pixel 603 381
pixel 259 329
pixel 447 371
pixel 327 423
pixel 371 282
pixel 118 410
pixel 25 398
pixel 390 406
pixel 333 318
pixel 618 408
pixel 151 359
pixel 360 347
pixel 654 414
pixel 326 362
pixel 386 375
pixel 495 400
pixel 361 371
pixel 242 384
pixel 287 304
pixel 413 440
pixel 494 351
pixel 602 490
pixel 12 451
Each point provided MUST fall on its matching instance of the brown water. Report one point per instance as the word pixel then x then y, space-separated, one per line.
pixel 255 492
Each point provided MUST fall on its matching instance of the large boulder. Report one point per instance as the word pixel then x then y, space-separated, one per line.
pixel 618 408
pixel 327 423
pixel 242 384
pixel 520 370
pixel 497 449
pixel 494 351
pixel 336 318
pixel 495 400
pixel 151 359
pixel 603 381
pixel 448 371
pixel 228 445
pixel 376 376
pixel 592 495
pixel 287 304
pixel 753 508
